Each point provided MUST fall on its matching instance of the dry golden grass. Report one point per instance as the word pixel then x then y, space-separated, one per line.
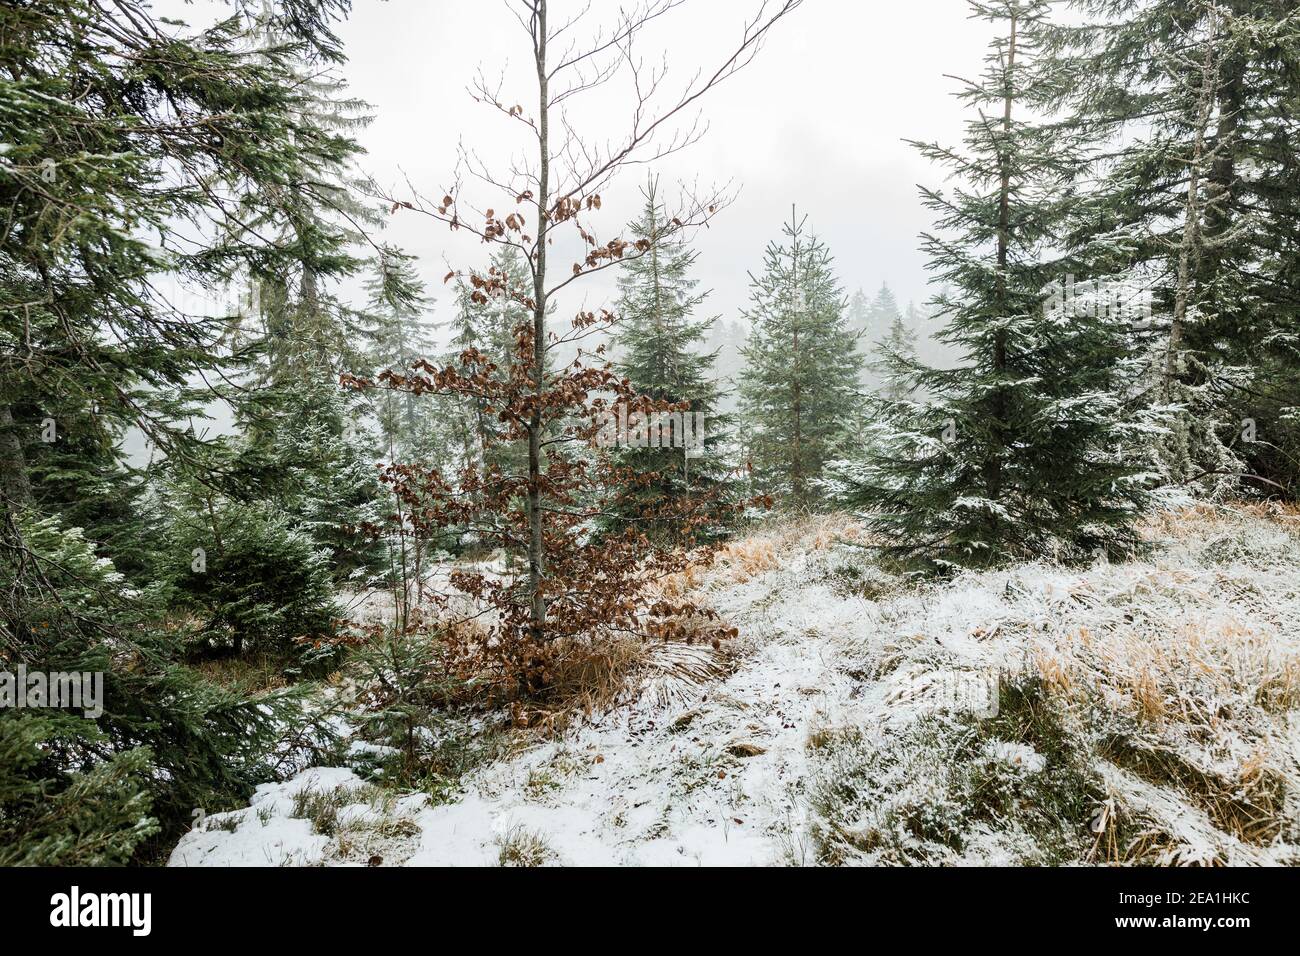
pixel 742 560
pixel 1207 686
pixel 1207 517
pixel 676 586
pixel 763 550
pixel 249 673
pixel 1057 672
pixel 1175 678
pixel 591 678
pixel 1279 690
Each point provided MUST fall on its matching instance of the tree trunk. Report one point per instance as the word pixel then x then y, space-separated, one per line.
pixel 536 540
pixel 993 467
pixel 14 486
pixel 1189 248
pixel 796 478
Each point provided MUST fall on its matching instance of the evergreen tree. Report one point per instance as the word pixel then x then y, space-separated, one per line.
pixel 858 314
pixel 882 313
pixel 895 358
pixel 398 337
pixel 1192 105
pixel 431 432
pixel 304 326
pixel 490 325
pixel 250 572
pixel 725 343
pixel 1019 451
pixel 858 318
pixel 303 432
pixel 659 349
pixel 133 154
pixel 77 470
pixel 312 458
pixel 883 310
pixel 799 391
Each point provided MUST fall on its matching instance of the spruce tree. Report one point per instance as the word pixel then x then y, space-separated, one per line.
pixel 1191 105
pixel 322 223
pixel 303 432
pixel 659 349
pixel 1025 449
pixel 858 318
pixel 799 389
pixel 725 342
pixel 135 154
pixel 895 358
pixel 490 325
pixel 858 314
pixel 398 335
pixel 883 310
pixel 882 313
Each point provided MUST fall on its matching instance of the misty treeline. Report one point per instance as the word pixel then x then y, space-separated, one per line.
pixel 1114 246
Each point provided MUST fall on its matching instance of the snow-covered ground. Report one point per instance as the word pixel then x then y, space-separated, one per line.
pixel 1145 712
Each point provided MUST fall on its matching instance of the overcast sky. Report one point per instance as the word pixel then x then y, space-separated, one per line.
pixel 818 120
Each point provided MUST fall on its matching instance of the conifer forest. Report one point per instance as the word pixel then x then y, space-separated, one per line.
pixel 741 433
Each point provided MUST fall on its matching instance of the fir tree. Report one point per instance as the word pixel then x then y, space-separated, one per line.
pixel 134 154
pixel 660 351
pixel 895 358
pixel 1019 451
pixel 799 392
pixel 1191 104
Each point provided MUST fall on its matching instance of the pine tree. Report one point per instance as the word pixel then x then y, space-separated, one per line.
pixel 895 358
pixel 398 336
pixel 1019 451
pixel 491 325
pixel 799 391
pixel 1191 106
pixel 660 351
pixel 250 571
pixel 133 155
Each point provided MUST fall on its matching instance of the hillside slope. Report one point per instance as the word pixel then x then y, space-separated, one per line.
pixel 1146 712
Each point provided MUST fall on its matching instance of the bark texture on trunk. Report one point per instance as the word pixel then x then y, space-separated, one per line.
pixel 536 540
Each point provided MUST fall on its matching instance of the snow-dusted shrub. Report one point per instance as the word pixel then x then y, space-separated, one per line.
pixel 413 693
pixel 255 580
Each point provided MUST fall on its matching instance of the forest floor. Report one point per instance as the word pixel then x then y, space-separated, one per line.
pixel 1143 712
